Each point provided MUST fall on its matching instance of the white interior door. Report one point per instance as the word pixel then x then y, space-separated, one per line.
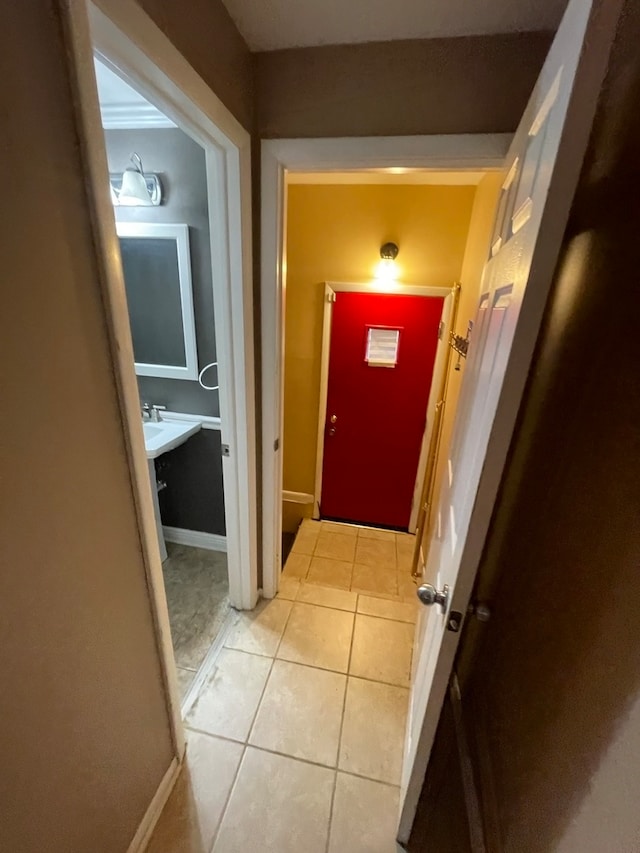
pixel 542 171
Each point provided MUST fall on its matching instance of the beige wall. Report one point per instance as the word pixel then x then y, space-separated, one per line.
pixel 334 233
pixel 388 88
pixel 475 256
pixel 83 719
pixel 479 84
pixel 205 34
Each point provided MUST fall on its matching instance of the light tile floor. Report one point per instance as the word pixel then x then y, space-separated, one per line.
pixel 359 559
pixel 295 740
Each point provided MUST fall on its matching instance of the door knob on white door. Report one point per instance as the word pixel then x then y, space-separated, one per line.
pixel 429 595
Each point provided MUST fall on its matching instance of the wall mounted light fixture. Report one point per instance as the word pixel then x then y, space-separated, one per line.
pixel 134 187
pixel 387 268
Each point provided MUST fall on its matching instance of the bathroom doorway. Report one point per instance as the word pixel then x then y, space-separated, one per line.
pixel 188 408
pixel 158 187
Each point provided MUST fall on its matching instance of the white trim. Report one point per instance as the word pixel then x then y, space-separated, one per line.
pixel 413 177
pixel 164 77
pixel 195 538
pixel 330 289
pixel 401 289
pixel 279 156
pixel 178 233
pixel 273 238
pixel 327 317
pixel 297 497
pixel 148 823
pixel 473 151
pixel 133 117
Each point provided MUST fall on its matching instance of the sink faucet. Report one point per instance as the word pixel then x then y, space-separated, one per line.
pixel 155 413
pixel 151 411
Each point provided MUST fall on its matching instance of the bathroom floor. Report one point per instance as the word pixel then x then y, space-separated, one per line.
pixel 197 587
pixel 295 739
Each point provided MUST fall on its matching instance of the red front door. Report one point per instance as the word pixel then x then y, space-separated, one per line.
pixel 381 359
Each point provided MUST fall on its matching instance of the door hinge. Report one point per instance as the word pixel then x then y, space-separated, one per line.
pixel 276 445
pixel 440 330
pixel 331 297
pixel 225 450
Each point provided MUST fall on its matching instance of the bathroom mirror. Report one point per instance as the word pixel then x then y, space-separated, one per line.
pixel 157 275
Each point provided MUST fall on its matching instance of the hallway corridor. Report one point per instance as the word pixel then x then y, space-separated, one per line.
pixel 295 740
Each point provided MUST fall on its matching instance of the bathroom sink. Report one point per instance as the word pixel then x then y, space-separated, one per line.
pixel 151 431
pixel 162 436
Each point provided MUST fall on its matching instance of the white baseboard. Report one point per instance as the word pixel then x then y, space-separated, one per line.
pixel 195 538
pixel 148 822
pixel 298 498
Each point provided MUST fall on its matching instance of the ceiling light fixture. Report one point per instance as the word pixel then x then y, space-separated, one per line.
pixel 387 269
pixel 134 188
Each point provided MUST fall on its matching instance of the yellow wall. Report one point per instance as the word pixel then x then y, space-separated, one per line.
pixel 334 233
pixel 475 256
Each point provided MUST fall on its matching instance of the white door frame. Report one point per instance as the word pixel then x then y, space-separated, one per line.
pixel 330 289
pixel 281 156
pixel 120 31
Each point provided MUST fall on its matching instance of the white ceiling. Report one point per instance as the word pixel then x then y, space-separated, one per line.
pixel 122 107
pixel 275 24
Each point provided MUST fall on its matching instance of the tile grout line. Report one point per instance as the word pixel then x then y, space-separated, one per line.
pixel 346 687
pixel 245 744
pixel 379 596
pixel 344 705
pixel 273 658
pixel 266 681
pixel 331 802
pixel 325 668
pixel 262 692
pixel 228 798
pixel 297 758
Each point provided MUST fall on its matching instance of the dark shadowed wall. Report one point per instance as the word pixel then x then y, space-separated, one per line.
pixel 478 84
